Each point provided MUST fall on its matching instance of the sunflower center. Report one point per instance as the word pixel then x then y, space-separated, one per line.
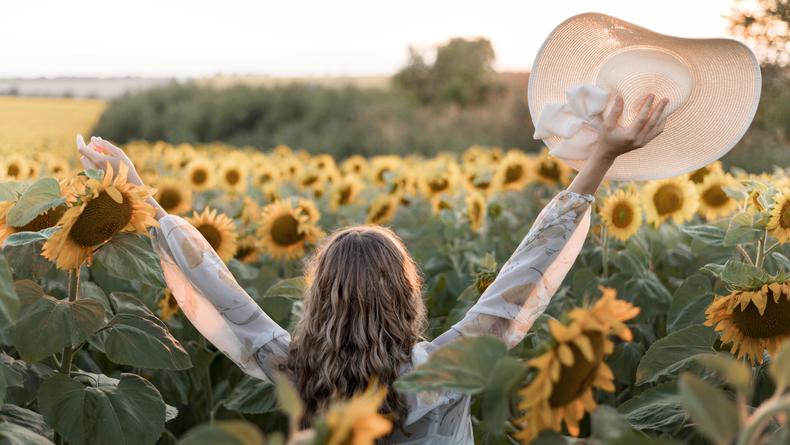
pixel 285 231
pixel 380 213
pixel 513 173
pixel 622 215
pixel 170 198
pixel 668 199
pixel 576 379
pixel 345 195
pixel 698 175
pixel 381 174
pixel 211 234
pixel 13 170
pixel 199 176
pixel 43 221
pixel 549 170
pixel 784 220
pixel 232 177
pixel 102 218
pixel 263 178
pixel 243 251
pixel 715 197
pixel 438 185
pixel 775 321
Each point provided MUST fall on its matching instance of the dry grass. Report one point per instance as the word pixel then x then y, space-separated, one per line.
pixel 30 124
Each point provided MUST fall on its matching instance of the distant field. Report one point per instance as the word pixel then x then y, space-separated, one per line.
pixel 28 124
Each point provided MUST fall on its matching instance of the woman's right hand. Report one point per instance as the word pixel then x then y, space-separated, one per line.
pixel 99 153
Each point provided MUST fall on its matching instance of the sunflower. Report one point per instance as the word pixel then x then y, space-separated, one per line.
pixel 58 167
pixel 15 167
pixel 382 209
pixel 562 389
pixel 265 174
pixel 233 177
pixel 622 214
pixel 309 209
pixel 285 230
pixel 218 229
pixel 323 162
pixel 439 178
pixel 671 198
pixel 102 210
pixel 476 210
pixel 290 168
pixel 753 321
pixel 199 174
pixel 382 168
pixel 698 175
pixel 173 196
pixel 354 165
pixel 513 172
pixel 168 306
pixel 439 203
pixel 713 201
pixel 357 421
pixel 282 151
pixel 549 170
pixel 482 179
pixel 248 250
pixel 43 221
pixel 345 192
pixel 779 223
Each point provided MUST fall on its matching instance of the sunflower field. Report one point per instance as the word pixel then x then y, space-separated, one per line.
pixel 672 326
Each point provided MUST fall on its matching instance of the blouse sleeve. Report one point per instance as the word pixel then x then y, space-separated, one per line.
pixel 528 280
pixel 215 303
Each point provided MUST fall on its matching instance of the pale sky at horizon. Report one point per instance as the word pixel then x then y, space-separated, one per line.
pixel 181 38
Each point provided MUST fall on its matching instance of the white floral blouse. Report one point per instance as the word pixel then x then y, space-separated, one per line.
pixel 223 312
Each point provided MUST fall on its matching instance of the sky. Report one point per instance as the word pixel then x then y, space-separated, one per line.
pixel 191 38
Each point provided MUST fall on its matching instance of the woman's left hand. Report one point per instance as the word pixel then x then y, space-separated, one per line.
pixel 615 140
pixel 99 153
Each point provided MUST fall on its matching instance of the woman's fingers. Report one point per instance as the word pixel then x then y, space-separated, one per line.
pixel 109 147
pixel 644 113
pixel 87 163
pixel 615 112
pixel 656 130
pixel 656 116
pixel 94 156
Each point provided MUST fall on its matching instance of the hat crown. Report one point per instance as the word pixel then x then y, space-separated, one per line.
pixel 636 72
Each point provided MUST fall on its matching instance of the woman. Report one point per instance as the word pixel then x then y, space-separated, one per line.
pixel 363 312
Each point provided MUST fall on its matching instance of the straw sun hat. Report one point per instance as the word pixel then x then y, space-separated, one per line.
pixel 713 87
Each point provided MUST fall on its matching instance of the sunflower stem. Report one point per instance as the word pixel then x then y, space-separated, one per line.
pixel 605 246
pixel 755 425
pixel 760 258
pixel 745 254
pixel 68 351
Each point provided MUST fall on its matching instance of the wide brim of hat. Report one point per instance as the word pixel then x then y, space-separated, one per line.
pixel 722 104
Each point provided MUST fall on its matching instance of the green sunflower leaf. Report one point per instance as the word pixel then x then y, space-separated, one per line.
pixel 128 411
pixel 711 410
pixel 41 196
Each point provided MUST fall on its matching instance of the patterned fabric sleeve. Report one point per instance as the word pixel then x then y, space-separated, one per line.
pixel 528 280
pixel 215 303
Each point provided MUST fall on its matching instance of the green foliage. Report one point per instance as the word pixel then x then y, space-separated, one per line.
pixel 228 432
pixel 464 366
pixel 99 409
pixel 41 196
pixel 462 74
pixel 130 256
pixel 12 434
pixel 143 342
pixel 46 325
pixel 710 409
pixel 674 352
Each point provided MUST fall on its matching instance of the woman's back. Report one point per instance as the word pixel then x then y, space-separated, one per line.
pixel 354 333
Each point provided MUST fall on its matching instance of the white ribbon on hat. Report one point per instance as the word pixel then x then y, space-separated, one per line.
pixel 578 121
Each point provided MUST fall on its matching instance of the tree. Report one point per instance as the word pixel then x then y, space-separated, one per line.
pixel 462 74
pixel 765 25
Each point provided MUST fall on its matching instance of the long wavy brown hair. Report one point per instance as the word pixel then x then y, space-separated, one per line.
pixel 363 312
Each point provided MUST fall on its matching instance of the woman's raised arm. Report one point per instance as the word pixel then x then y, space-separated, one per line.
pixel 204 288
pixel 527 281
